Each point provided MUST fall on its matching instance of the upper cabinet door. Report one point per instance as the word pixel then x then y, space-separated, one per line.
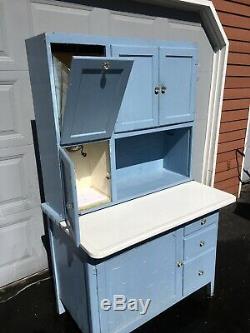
pixel 139 107
pixel 178 82
pixel 95 91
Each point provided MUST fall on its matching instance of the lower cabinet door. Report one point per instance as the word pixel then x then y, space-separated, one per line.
pixel 198 272
pixel 140 283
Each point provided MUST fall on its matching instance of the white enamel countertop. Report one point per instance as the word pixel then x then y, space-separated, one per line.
pixel 112 229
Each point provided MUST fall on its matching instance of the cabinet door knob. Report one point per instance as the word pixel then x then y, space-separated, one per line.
pixel 157 90
pixel 202 243
pixel 179 263
pixel 200 273
pixel 203 221
pixel 163 89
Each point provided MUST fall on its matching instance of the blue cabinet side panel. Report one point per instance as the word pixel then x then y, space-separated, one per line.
pixel 71 274
pixel 70 196
pixel 40 69
pixel 139 108
pixel 148 271
pixel 177 75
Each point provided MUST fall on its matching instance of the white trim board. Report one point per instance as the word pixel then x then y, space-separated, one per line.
pixel 247 137
pixel 110 230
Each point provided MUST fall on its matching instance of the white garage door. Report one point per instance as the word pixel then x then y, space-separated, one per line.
pixel 21 224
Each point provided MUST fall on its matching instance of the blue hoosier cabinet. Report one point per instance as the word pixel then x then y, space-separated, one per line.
pixel 131 232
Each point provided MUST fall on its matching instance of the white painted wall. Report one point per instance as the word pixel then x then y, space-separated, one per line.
pixel 21 224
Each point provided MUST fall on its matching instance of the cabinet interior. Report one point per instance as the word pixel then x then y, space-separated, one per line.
pixel 61 56
pixel 153 161
pixel 92 169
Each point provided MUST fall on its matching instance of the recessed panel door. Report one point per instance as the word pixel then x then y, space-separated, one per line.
pixel 146 272
pixel 139 108
pixel 177 81
pixel 95 92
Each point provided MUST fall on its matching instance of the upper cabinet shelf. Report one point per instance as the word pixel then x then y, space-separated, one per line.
pixel 161 88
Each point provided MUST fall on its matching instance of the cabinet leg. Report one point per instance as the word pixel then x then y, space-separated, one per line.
pixel 210 289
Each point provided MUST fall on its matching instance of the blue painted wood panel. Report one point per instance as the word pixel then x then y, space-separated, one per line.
pixel 72 284
pixel 96 88
pixel 150 162
pixel 177 75
pixel 139 108
pixel 148 271
pixel 70 195
pixel 201 224
pixel 200 242
pixel 198 272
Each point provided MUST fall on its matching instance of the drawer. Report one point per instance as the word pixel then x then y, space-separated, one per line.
pixel 200 242
pixel 200 223
pixel 198 272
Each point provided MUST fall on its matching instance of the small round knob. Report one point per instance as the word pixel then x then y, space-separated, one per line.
pixel 202 243
pixel 179 264
pixel 157 90
pixel 163 89
pixel 203 221
pixel 200 273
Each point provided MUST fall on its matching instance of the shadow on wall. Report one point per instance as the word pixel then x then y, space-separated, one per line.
pixel 144 9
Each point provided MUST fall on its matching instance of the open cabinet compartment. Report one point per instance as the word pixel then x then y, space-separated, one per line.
pixel 91 164
pixel 149 162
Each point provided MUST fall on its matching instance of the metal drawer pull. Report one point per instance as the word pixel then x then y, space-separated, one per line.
pixel 157 90
pixel 179 263
pixel 203 221
pixel 163 89
pixel 200 273
pixel 202 243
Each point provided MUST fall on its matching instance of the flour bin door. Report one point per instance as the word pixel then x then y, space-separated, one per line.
pixel 95 91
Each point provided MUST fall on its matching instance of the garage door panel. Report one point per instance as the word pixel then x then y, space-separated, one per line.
pixel 132 25
pixel 21 244
pixel 55 18
pixel 14 28
pixel 16 109
pixel 18 179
